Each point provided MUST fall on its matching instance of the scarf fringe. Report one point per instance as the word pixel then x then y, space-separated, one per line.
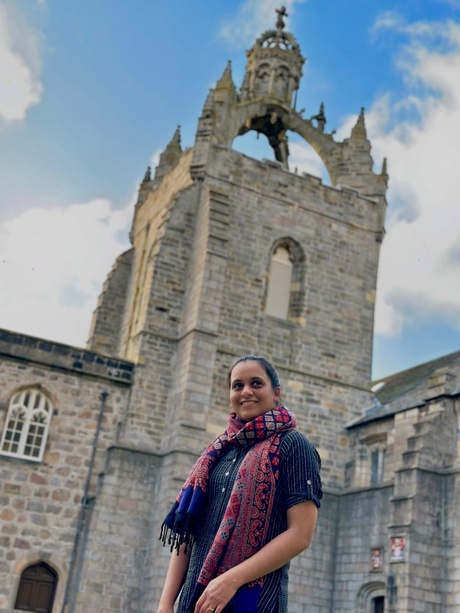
pixel 177 536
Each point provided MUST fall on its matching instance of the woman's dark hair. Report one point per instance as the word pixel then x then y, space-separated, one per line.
pixel 266 365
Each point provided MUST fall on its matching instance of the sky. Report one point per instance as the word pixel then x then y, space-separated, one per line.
pixel 91 92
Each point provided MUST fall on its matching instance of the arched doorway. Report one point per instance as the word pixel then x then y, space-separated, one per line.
pixel 371 598
pixel 37 588
pixel 378 604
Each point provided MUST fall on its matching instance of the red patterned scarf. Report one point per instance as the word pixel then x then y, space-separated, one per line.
pixel 245 522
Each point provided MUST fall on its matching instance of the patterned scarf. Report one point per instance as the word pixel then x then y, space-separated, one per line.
pixel 244 525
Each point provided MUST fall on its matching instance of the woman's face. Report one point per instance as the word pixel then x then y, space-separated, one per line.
pixel 251 391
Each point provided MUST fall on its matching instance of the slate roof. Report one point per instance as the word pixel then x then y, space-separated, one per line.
pixel 404 389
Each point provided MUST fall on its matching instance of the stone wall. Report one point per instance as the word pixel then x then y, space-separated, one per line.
pixel 104 336
pixel 40 501
pixel 362 519
pixel 117 551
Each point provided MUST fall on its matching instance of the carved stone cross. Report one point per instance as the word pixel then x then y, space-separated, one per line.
pixel 280 21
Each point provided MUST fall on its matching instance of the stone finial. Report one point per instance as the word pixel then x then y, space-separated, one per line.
pixel 169 157
pixel 384 167
pixel 280 21
pixel 320 117
pixel 176 137
pixel 209 104
pixel 226 80
pixel 148 175
pixel 359 130
pixel 173 148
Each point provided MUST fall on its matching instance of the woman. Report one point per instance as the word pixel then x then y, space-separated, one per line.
pixel 247 508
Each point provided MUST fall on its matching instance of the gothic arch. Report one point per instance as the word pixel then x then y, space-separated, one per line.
pixel 274 120
pixel 37 588
pixel 367 594
pixel 27 424
pixel 293 252
pixel 281 79
pixel 36 386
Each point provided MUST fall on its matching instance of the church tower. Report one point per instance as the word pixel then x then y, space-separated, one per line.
pixel 231 256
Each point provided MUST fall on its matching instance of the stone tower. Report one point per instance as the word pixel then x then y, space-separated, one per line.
pixel 231 255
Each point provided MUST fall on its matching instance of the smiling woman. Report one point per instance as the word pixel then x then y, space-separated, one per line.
pixel 247 508
pixel 253 391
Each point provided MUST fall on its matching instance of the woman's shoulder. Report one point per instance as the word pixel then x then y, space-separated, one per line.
pixel 293 438
pixel 294 442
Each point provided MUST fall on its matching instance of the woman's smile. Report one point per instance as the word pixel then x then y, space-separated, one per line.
pixel 251 391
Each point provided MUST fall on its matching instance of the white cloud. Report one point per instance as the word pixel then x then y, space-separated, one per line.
pixel 404 304
pixel 253 17
pixel 419 265
pixel 53 264
pixel 455 4
pixel 20 86
pixel 303 158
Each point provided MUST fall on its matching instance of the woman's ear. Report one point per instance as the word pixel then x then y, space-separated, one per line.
pixel 277 393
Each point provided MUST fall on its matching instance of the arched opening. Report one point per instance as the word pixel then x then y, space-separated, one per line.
pixel 254 145
pixel 371 598
pixel 302 158
pixel 37 588
pixel 263 79
pixel 279 284
pixel 378 604
pixel 286 280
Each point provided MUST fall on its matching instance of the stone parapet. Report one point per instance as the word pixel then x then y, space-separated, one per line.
pixel 30 349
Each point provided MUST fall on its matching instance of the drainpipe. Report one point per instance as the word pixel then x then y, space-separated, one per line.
pixel 69 594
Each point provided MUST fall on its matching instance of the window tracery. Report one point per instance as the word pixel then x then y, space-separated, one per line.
pixel 27 425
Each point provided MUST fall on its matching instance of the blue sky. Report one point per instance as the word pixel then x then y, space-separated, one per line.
pixel 91 91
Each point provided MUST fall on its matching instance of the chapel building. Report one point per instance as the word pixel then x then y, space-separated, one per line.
pixel 231 256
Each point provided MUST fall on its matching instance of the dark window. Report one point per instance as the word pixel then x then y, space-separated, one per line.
pixel 378 604
pixel 377 465
pixel 36 589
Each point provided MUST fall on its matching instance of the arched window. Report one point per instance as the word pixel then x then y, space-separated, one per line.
pixel 285 288
pixel 37 588
pixel 279 286
pixel 377 464
pixel 27 425
pixel 263 80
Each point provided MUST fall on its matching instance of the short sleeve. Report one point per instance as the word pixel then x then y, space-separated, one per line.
pixel 300 466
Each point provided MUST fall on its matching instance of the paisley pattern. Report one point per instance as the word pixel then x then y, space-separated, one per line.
pixel 244 525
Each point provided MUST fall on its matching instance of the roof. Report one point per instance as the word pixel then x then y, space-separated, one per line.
pixel 404 389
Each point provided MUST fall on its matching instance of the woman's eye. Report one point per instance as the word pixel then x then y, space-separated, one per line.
pixel 236 386
pixel 257 383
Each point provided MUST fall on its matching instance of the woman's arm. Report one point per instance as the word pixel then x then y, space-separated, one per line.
pixel 301 520
pixel 177 569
